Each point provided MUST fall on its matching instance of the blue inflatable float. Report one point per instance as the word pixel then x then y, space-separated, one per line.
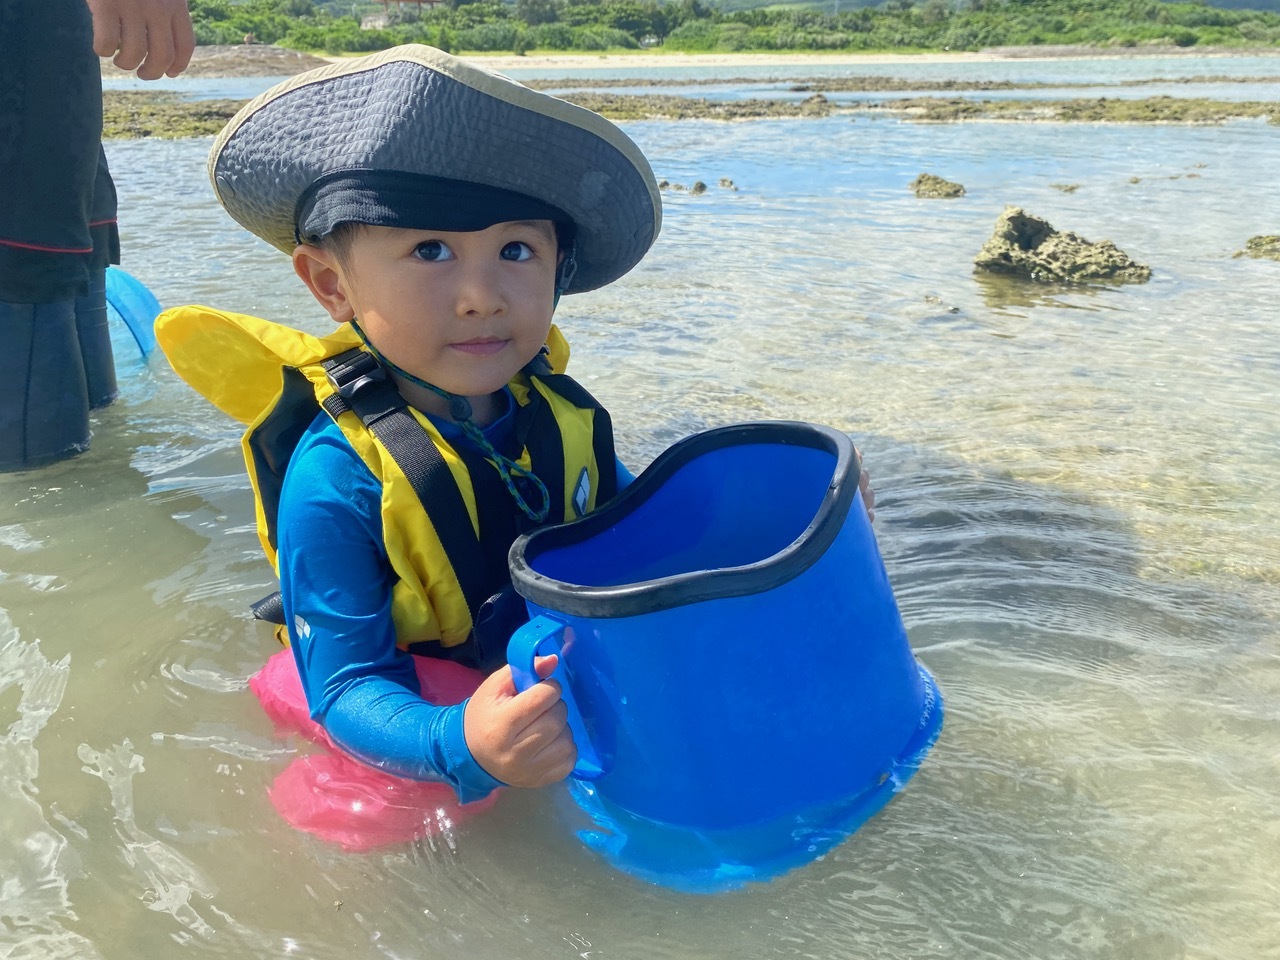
pixel 133 305
pixel 739 680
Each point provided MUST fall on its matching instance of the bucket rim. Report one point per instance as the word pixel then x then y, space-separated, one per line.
pixel 663 593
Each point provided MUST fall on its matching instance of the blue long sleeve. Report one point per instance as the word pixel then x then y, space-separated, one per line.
pixel 624 475
pixel 336 581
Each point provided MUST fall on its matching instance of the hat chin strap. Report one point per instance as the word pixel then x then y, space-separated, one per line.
pixel 565 273
pixel 460 413
pixel 567 270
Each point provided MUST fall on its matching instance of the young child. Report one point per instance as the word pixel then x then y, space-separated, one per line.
pixel 437 212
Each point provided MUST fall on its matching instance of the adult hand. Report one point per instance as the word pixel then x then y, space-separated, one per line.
pixel 152 36
pixel 522 739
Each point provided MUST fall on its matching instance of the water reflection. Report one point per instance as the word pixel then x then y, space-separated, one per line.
pixel 1001 293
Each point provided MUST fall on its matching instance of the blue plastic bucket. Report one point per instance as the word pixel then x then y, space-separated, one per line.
pixel 735 665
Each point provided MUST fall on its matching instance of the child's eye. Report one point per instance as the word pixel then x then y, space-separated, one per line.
pixel 432 250
pixel 516 250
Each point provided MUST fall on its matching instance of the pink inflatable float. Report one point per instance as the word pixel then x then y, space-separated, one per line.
pixel 341 800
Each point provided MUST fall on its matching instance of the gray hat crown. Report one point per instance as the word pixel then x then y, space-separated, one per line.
pixel 418 110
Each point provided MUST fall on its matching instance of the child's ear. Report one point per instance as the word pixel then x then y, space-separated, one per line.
pixel 320 271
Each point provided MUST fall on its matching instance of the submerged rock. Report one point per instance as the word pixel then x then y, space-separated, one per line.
pixel 618 106
pixel 1031 247
pixel 815 106
pixel 1263 246
pixel 931 187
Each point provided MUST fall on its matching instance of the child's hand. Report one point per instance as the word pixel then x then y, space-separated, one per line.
pixel 521 739
pixel 864 486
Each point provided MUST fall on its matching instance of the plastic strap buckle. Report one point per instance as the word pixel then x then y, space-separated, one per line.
pixel 352 372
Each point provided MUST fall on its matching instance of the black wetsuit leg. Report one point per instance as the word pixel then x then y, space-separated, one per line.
pixel 57 232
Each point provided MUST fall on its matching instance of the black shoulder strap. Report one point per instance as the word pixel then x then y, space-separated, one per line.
pixel 546 446
pixel 364 388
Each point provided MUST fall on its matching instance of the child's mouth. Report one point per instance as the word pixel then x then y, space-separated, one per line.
pixel 481 347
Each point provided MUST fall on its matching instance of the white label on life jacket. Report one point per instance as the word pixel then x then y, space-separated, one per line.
pixel 581 492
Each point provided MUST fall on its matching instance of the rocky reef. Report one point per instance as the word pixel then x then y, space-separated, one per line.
pixel 132 114
pixel 1027 246
pixel 931 187
pixel 1263 246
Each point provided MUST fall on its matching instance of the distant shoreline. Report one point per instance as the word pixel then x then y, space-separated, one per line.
pixel 644 60
pixel 164 113
pixel 543 61
pixel 265 60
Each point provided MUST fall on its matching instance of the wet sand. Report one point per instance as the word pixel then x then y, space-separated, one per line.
pixel 244 60
pixel 265 60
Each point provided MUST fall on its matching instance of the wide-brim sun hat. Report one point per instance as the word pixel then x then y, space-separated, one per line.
pixel 415 129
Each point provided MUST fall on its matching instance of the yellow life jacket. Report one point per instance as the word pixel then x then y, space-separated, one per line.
pixel 275 379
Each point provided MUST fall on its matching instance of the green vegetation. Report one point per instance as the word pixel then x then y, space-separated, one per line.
pixel 696 26
pixel 487 25
pixel 936 25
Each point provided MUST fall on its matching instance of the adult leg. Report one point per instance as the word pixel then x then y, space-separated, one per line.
pixel 51 122
pixel 44 407
pixel 91 309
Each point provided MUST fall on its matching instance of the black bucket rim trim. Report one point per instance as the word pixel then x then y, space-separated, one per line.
pixel 664 593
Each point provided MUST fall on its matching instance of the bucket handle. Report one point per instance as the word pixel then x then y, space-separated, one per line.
pixel 542 637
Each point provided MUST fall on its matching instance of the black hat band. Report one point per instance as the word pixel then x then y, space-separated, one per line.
pixel 388 198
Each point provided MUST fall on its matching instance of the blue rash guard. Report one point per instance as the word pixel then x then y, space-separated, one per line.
pixel 336 582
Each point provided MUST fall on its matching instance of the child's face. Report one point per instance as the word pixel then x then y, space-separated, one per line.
pixel 464 311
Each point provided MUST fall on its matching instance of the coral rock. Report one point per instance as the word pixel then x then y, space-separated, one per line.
pixel 930 187
pixel 1264 246
pixel 1028 246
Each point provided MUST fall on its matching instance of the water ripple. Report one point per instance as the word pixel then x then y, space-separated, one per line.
pixel 1077 506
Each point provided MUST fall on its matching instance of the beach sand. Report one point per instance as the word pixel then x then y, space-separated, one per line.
pixel 647 59
pixel 581 61
pixel 266 60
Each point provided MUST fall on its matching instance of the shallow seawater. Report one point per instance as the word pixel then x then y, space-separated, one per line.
pixel 1077 504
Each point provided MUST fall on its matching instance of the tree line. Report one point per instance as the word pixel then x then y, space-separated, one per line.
pixel 695 26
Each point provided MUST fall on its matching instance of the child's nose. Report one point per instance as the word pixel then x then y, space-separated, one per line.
pixel 478 292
